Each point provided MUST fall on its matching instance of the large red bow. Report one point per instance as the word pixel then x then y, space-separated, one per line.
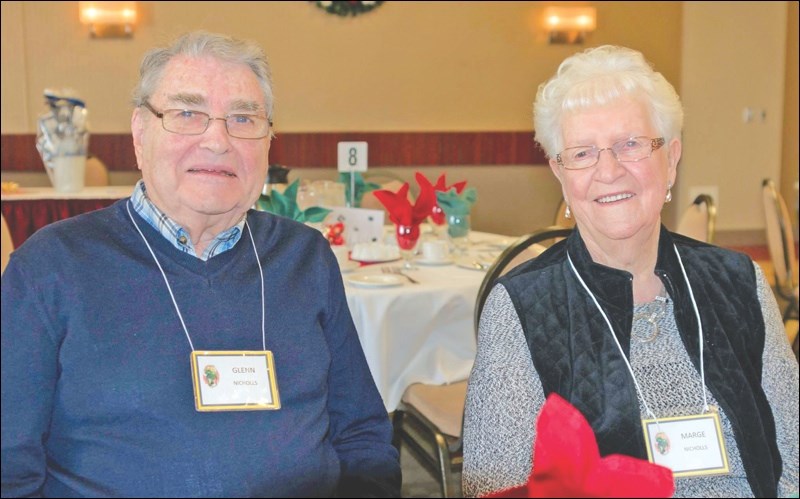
pixel 401 212
pixel 567 462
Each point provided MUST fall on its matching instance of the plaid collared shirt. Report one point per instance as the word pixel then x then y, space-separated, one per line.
pixel 176 234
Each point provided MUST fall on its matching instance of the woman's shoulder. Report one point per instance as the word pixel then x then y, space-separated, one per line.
pixel 553 256
pixel 703 250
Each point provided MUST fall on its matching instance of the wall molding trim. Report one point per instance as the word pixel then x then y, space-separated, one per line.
pixel 313 149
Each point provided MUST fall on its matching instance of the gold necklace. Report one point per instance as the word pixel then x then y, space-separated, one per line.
pixel 651 318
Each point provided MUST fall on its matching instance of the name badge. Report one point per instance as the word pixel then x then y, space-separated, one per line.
pixel 234 381
pixel 688 445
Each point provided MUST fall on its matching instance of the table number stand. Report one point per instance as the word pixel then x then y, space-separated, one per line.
pixel 352 158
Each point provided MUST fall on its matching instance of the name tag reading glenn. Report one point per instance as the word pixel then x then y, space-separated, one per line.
pixel 239 380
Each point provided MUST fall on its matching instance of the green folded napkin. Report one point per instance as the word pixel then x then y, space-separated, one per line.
pixel 456 208
pixel 285 205
pixel 453 203
pixel 361 187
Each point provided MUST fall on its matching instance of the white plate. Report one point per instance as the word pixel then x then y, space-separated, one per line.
pixel 348 266
pixel 376 261
pixel 425 261
pixel 375 280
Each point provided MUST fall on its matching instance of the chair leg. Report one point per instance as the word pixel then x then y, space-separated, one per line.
pixel 445 468
pixel 791 311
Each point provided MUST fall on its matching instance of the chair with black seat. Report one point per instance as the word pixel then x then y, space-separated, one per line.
pixel 430 417
pixel 781 247
pixel 699 220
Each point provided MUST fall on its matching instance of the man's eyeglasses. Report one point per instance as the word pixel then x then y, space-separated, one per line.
pixel 628 150
pixel 190 122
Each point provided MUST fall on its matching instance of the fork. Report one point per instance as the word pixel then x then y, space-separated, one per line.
pixel 395 270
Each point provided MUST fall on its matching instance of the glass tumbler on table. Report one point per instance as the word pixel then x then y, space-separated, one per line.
pixel 458 227
pixel 438 221
pixel 407 237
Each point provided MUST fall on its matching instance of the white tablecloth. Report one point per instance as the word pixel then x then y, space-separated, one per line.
pixel 421 332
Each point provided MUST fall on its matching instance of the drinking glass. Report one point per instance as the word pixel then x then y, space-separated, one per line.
pixel 438 221
pixel 458 232
pixel 407 237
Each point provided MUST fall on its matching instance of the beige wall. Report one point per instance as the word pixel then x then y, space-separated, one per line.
pixel 732 62
pixel 790 163
pixel 418 66
pixel 421 66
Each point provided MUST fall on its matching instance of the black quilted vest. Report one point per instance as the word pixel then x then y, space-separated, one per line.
pixel 576 357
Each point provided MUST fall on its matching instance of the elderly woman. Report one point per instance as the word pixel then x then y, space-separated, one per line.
pixel 632 324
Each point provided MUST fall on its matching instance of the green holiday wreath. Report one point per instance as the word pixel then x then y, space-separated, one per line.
pixel 347 8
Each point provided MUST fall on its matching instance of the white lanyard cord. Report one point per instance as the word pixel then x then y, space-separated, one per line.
pixel 699 329
pixel 639 391
pixel 610 328
pixel 169 288
pixel 260 273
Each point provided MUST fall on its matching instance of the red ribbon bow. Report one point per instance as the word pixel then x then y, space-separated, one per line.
pixel 568 463
pixel 401 212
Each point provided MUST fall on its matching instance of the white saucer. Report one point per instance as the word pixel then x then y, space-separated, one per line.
pixel 375 280
pixel 348 266
pixel 425 261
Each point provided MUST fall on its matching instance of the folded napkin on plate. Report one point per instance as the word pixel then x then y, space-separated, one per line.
pixel 401 212
pixel 285 205
pixel 567 462
pixel 361 187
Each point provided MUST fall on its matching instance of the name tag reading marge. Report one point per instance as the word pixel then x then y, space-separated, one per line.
pixel 688 445
pixel 239 380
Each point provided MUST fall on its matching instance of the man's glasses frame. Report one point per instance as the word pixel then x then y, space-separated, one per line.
pixel 168 117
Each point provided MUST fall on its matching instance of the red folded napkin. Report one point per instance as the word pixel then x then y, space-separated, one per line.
pixel 567 462
pixel 401 212
pixel 441 184
pixel 437 215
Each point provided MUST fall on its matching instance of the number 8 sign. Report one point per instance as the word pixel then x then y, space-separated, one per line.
pixel 352 156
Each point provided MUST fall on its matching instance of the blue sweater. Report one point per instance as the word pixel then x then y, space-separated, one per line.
pixel 97 393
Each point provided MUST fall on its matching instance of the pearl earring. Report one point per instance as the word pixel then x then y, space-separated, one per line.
pixel 669 193
pixel 567 213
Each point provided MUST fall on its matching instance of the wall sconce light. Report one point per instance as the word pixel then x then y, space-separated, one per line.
pixel 569 24
pixel 108 19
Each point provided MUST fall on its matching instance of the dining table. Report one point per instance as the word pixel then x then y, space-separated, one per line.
pixel 28 209
pixel 419 332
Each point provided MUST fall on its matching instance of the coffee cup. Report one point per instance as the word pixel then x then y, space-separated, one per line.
pixel 435 251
